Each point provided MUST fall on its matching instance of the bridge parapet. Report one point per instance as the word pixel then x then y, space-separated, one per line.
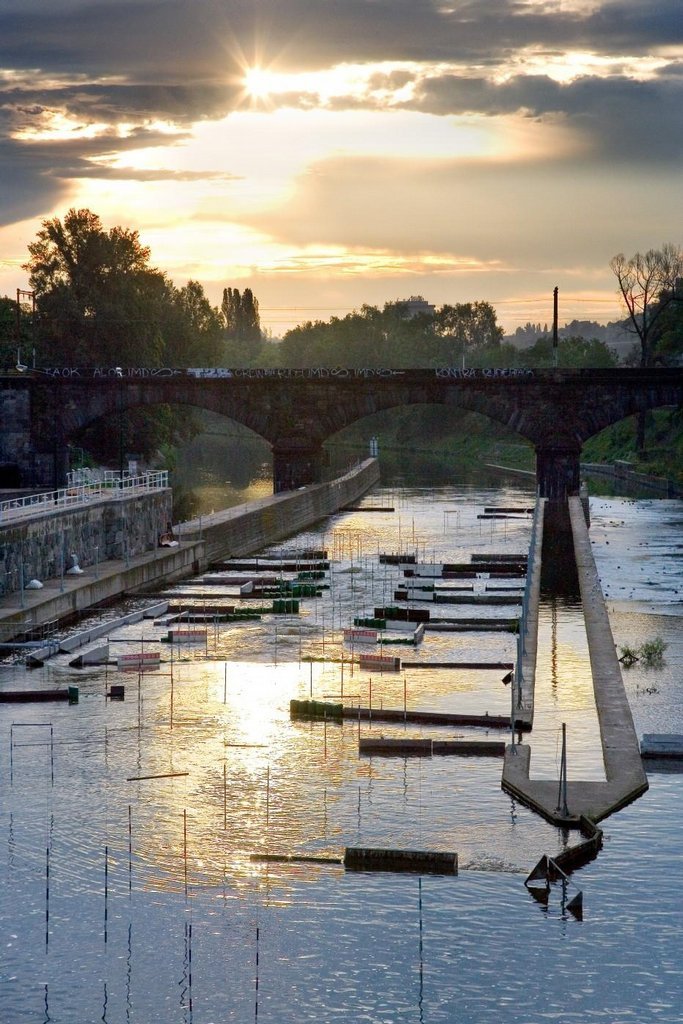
pixel 296 410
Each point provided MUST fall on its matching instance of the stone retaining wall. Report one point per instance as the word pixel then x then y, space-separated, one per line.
pixel 117 529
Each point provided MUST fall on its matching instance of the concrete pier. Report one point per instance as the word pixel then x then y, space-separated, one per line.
pixel 625 777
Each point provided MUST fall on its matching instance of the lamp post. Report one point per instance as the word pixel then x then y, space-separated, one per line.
pixel 120 375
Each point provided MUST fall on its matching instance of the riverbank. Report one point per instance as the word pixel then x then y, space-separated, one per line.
pixel 624 473
pixel 235 531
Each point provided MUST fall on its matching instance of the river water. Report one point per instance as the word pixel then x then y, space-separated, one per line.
pixel 125 898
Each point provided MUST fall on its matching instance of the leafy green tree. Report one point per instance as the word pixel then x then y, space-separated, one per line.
pixel 100 302
pixel 242 325
pixel 98 299
pixel 464 327
pixel 668 339
pixel 571 352
pixel 391 337
pixel 12 343
pixel 194 334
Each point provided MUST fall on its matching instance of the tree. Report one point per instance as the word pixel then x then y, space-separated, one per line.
pixel 100 303
pixel 648 284
pixel 16 332
pixel 97 297
pixel 242 323
pixel 572 351
pixel 195 332
pixel 464 327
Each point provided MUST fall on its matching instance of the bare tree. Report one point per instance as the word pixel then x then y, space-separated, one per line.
pixel 648 284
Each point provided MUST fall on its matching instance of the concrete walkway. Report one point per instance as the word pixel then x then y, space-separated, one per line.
pixel 67 597
pixel 625 777
pixel 228 532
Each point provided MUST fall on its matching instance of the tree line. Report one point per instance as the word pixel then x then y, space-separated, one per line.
pixel 100 302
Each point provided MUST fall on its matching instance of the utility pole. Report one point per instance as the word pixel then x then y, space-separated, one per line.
pixel 23 293
pixel 555 291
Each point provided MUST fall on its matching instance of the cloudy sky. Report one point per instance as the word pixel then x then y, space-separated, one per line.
pixel 329 153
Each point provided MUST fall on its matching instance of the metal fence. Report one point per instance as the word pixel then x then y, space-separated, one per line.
pixel 111 487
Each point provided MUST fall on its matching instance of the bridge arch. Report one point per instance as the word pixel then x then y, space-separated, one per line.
pixel 297 410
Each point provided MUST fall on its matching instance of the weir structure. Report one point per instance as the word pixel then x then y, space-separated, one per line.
pixel 297 410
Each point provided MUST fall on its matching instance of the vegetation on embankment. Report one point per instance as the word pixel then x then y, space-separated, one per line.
pixel 663 454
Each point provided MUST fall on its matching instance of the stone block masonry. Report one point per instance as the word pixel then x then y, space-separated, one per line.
pixel 119 529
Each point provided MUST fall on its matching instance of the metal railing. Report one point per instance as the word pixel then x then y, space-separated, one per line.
pixel 111 487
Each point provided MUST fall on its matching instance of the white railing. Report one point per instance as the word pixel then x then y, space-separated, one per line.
pixel 111 488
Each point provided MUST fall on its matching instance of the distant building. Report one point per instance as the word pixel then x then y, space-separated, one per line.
pixel 415 305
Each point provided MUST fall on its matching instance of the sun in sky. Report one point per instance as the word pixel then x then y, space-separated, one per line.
pixel 258 83
pixel 449 150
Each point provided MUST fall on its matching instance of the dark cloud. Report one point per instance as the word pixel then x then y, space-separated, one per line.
pixel 200 39
pixel 641 121
pixel 132 102
pixel 107 61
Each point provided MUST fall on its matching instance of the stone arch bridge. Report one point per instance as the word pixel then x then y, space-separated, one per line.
pixel 41 411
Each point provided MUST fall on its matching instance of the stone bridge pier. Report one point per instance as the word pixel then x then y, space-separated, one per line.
pixel 297 462
pixel 558 478
pixel 558 472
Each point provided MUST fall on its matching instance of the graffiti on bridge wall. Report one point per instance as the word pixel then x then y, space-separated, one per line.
pixel 278 373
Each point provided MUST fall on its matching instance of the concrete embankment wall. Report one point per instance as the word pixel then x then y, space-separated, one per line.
pixel 619 471
pixel 98 532
pixel 625 777
pixel 239 531
pixel 247 528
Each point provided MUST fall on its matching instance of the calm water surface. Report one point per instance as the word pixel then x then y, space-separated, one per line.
pixel 128 899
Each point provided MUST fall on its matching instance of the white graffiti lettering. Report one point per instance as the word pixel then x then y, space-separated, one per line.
pixel 282 373
pixel 61 371
pixel 473 373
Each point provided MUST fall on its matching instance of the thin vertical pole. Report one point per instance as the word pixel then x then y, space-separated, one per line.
pixel 225 683
pixel 47 896
pixel 405 699
pixel 106 889
pixel 562 790
pixel 267 796
pixel 419 897
pixel 185 848
pixel 130 851
pixel 225 796
pixel 256 978
pixel 512 713
pixel 189 966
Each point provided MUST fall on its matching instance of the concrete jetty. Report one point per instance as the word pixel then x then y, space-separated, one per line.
pixel 625 777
